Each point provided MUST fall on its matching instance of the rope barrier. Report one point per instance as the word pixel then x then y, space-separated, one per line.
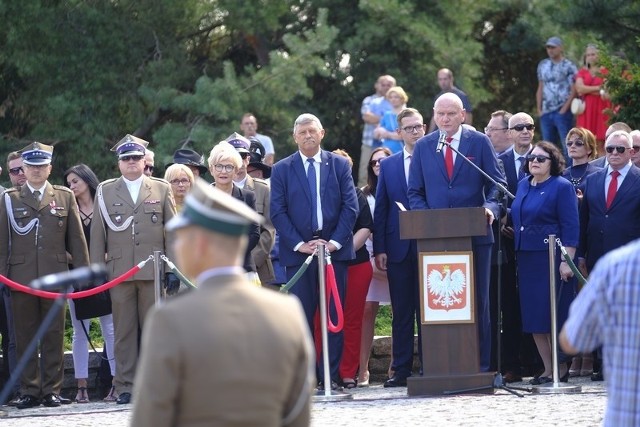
pixel 285 288
pixel 572 266
pixel 75 295
pixel 177 272
pixel 332 291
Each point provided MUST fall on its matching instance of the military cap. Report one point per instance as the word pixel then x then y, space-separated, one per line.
pixel 37 154
pixel 130 146
pixel 185 156
pixel 239 142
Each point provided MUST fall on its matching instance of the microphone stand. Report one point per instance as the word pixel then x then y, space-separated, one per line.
pixel 58 305
pixel 503 199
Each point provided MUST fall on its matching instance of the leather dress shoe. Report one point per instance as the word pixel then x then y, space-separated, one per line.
pixel 27 401
pixel 541 380
pixel 597 376
pixel 123 398
pixel 52 400
pixel 396 381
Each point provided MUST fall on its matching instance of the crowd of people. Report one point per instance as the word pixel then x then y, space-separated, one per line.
pixel 579 182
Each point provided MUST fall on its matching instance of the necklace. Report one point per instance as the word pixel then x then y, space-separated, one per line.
pixel 576 181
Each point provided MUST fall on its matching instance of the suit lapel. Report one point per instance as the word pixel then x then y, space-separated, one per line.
pixel 27 198
pixel 325 169
pixel 47 197
pixel 463 148
pixel 144 193
pixel 398 171
pixel 122 192
pixel 601 192
pixel 298 169
pixel 628 184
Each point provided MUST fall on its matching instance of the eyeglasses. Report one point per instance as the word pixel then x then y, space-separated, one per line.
pixel 373 163
pixel 490 129
pixel 577 143
pixel 16 171
pixel 227 168
pixel 411 129
pixel 134 158
pixel 539 159
pixel 522 127
pixel 619 149
pixel 183 181
pixel 149 168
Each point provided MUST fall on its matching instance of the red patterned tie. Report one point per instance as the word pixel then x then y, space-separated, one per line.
pixel 448 158
pixel 613 188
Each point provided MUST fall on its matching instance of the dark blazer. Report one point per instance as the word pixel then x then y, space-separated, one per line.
pixel 291 206
pixel 601 229
pixel 392 188
pixel 509 161
pixel 467 187
pixel 600 162
pixel 249 198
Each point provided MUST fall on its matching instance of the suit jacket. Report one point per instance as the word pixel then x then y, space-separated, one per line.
pixel 121 250
pixel 59 232
pixel 600 162
pixel 291 206
pixel 251 343
pixel 392 188
pixel 429 186
pixel 602 229
pixel 263 248
pixel 249 198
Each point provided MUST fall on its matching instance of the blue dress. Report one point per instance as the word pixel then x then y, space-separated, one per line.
pixel 389 121
pixel 551 207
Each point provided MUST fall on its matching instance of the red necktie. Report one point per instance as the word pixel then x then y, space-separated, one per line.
pixel 613 188
pixel 448 158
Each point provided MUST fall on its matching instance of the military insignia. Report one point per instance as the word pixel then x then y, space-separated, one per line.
pixel 117 204
pixel 52 205
pixel 154 218
pixel 60 223
pixel 118 218
pixel 151 202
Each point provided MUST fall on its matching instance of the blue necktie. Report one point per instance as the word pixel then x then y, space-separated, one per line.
pixel 311 177
pixel 520 171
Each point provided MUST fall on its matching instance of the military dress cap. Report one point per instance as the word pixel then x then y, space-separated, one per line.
pixel 554 42
pixel 37 154
pixel 256 156
pixel 239 142
pixel 185 156
pixel 130 146
pixel 214 210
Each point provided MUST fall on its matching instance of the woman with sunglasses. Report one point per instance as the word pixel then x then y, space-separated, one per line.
pixel 582 148
pixel 545 204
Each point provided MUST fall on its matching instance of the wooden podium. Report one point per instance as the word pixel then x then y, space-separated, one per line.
pixel 450 352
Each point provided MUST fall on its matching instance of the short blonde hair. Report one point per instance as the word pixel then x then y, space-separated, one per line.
pixel 341 152
pixel 173 172
pixel 399 91
pixel 223 151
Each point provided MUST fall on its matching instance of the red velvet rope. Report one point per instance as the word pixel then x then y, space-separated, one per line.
pixel 82 294
pixel 332 291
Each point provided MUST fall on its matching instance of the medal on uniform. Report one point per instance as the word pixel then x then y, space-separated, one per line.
pixel 52 205
pixel 118 218
pixel 60 223
pixel 154 218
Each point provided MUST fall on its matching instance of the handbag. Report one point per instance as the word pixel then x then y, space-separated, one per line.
pixel 97 305
pixel 577 106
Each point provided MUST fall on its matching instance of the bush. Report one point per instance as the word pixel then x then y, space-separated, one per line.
pixel 94 332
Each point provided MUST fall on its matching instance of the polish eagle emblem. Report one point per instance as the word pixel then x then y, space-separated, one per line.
pixel 446 288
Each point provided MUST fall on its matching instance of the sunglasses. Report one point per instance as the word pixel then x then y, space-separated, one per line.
pixel 618 149
pixel 149 168
pixel 577 143
pixel 411 129
pixel 134 158
pixel 539 159
pixel 373 163
pixel 16 171
pixel 522 127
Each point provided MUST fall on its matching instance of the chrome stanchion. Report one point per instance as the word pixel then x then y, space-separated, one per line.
pixel 556 387
pixel 327 394
pixel 157 281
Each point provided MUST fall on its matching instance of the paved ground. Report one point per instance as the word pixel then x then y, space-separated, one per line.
pixel 377 406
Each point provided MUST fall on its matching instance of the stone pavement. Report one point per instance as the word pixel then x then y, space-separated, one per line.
pixel 377 406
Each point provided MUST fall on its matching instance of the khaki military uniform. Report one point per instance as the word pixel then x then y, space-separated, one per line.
pixel 27 255
pixel 261 253
pixel 122 250
pixel 225 354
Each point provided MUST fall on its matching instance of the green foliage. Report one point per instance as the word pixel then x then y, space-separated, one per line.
pixel 383 321
pixel 623 85
pixel 94 333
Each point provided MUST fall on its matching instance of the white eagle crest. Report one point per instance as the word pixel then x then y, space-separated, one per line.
pixel 446 288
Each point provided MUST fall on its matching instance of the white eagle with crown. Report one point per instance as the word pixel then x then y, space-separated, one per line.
pixel 446 288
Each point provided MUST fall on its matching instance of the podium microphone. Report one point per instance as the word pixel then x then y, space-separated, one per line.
pixel 441 143
pixel 82 278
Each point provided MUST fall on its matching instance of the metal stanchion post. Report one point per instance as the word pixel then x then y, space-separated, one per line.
pixel 327 394
pixel 556 387
pixel 157 281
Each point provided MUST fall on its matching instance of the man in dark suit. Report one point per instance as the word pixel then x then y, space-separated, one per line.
pixel 40 233
pixel 441 180
pixel 313 200
pixel 601 162
pixel 397 256
pixel 128 226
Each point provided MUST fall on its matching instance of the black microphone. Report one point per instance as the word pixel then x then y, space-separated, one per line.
pixel 443 136
pixel 81 278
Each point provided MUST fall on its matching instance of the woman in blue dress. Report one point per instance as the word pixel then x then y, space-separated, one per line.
pixel 545 204
pixel 387 129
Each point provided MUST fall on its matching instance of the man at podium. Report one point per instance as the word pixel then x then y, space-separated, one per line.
pixel 440 179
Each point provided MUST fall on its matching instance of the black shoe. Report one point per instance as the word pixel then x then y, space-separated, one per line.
pixel 334 386
pixel 27 401
pixel 396 381
pixel 597 376
pixel 541 380
pixel 51 400
pixel 123 398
